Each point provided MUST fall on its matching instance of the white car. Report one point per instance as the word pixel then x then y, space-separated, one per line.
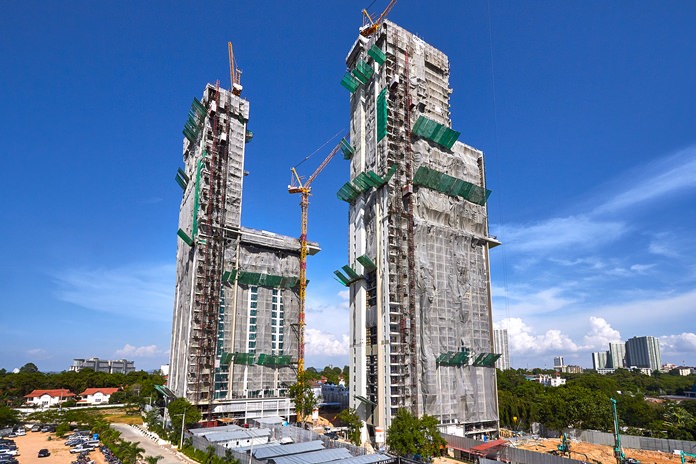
pixel 81 449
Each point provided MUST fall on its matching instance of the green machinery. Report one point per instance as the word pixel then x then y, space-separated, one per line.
pixel 618 450
pixel 564 447
pixel 684 455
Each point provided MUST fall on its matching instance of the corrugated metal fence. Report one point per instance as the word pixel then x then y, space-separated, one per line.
pixel 508 454
pixel 631 441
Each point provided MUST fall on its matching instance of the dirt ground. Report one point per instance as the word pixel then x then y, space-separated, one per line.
pixel 598 453
pixel 30 444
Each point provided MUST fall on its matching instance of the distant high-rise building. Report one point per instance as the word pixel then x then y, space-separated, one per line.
pixel 617 355
pixel 500 346
pixel 599 359
pixel 558 363
pixel 643 352
pixel 110 366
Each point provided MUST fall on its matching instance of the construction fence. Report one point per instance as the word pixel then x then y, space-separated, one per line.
pixel 505 453
pixel 632 441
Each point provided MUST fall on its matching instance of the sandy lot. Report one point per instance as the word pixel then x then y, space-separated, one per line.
pixel 30 444
pixel 598 453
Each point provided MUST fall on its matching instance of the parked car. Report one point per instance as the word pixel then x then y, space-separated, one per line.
pixel 36 428
pixel 81 449
pixel 8 460
pixel 44 453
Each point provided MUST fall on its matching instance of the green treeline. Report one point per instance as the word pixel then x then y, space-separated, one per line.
pixel 584 403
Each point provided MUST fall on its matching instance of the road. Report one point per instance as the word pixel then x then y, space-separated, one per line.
pixel 151 447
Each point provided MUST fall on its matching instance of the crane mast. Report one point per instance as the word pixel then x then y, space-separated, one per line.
pixel 305 190
pixel 235 73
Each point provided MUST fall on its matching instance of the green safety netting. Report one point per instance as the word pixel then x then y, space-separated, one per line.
pixel 453 358
pixel 377 54
pixel 349 82
pixel 431 130
pixel 258 278
pixel 350 272
pixel 449 185
pixel 181 178
pixel 367 263
pixel 382 114
pixel 226 358
pixel 486 359
pixel 363 182
pixel 347 149
pixel 274 361
pixel 184 236
pixel 195 118
pixel 244 358
pixel 363 72
pixel 348 278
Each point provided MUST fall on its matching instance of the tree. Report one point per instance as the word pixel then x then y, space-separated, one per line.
pixel 153 459
pixel 350 418
pixel 29 367
pixel 180 408
pixel 403 434
pixel 410 436
pixel 8 416
pixel 303 396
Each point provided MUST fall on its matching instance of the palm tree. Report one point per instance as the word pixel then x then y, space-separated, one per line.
pixel 153 459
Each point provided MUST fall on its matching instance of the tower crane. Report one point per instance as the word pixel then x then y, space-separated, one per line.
pixel 296 186
pixel 235 73
pixel 371 26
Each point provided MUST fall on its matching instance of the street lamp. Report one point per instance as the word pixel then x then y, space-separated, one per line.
pixel 183 424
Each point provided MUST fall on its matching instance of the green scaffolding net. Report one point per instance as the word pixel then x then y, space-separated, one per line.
pixel 382 114
pixel 367 263
pixel 268 360
pixel 449 185
pixel 196 115
pixel 363 72
pixel 244 358
pixel 431 130
pixel 184 236
pixel 349 82
pixel 486 359
pixel 258 278
pixel 453 358
pixel 226 358
pixel 377 54
pixel 347 149
pixel 364 182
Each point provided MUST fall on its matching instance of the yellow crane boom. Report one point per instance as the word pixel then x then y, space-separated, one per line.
pixel 235 73
pixel 368 29
pixel 296 186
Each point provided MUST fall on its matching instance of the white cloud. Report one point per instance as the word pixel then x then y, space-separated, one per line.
pixel 678 344
pixel 658 179
pixel 138 291
pixel 601 334
pixel 320 343
pixel 38 354
pixel 130 351
pixel 524 341
pixel 540 302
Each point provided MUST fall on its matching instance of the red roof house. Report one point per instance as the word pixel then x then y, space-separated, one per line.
pixel 97 395
pixel 48 397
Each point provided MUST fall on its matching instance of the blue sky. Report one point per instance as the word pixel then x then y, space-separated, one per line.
pixel 585 110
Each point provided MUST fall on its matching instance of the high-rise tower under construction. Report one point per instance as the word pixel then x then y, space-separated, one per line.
pixel 236 302
pixel 420 303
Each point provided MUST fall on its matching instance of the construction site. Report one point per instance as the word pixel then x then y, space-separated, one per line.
pixel 421 332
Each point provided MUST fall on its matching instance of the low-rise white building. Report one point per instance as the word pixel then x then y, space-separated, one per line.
pixel 97 395
pixel 46 398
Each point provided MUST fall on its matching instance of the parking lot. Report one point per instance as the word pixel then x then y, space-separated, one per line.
pixel 30 444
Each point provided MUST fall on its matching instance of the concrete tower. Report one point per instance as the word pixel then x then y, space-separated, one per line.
pixel 420 312
pixel 500 346
pixel 236 298
pixel 643 352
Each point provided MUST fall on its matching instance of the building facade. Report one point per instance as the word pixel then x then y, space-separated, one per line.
pixel 600 360
pixel 617 356
pixel 500 346
pixel 421 332
pixel 115 366
pixel 233 348
pixel 643 353
pixel 47 398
